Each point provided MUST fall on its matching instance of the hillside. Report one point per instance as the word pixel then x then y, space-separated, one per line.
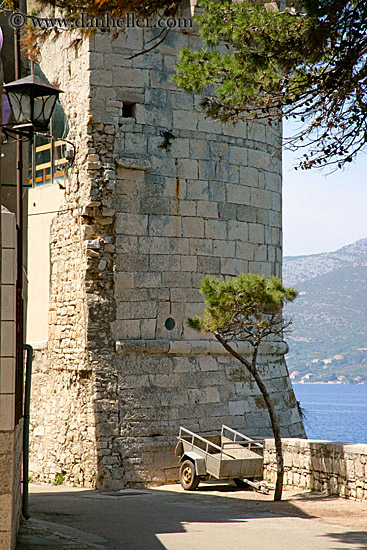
pixel 330 313
pixel 297 269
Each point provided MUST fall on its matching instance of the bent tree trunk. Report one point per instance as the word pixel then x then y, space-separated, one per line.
pixel 251 367
pixel 277 438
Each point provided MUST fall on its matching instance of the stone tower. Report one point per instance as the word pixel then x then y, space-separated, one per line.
pixel 158 197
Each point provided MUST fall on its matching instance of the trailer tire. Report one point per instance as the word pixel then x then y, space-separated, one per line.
pixel 188 478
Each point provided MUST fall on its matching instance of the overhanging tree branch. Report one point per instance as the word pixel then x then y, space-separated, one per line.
pixel 311 65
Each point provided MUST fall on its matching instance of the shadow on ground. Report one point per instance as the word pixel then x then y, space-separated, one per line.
pixel 137 520
pixel 356 538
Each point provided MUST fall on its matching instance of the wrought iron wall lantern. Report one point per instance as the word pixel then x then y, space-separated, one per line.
pixel 32 101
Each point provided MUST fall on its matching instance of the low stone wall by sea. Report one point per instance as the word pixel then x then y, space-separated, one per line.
pixel 336 468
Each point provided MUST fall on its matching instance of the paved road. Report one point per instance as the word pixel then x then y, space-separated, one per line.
pixel 170 519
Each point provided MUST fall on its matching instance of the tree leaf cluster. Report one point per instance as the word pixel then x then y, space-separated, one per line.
pixel 247 307
pixel 308 64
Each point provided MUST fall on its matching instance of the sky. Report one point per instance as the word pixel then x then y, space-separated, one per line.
pixel 321 212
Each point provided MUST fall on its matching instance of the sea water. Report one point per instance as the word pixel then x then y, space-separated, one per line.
pixel 336 412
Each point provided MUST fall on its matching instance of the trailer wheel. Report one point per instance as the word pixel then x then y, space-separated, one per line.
pixel 240 483
pixel 188 478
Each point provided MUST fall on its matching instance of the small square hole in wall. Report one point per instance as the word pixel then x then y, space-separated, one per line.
pixel 128 109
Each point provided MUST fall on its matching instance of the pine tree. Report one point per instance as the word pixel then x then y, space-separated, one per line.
pixel 248 308
pixel 309 64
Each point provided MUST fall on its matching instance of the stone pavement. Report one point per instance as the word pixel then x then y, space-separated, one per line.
pixel 215 517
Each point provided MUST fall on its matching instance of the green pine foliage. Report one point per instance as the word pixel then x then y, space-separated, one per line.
pixel 246 307
pixel 260 48
pixel 309 64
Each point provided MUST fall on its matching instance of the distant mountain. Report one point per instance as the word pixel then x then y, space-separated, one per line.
pixel 330 313
pixel 300 268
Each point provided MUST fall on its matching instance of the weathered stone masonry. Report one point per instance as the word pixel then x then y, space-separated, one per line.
pixel 158 197
pixel 333 467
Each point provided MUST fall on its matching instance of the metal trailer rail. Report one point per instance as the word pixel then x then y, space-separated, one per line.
pixel 238 457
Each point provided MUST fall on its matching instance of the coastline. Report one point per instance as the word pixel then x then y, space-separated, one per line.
pixel 329 383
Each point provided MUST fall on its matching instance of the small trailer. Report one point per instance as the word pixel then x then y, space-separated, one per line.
pixel 230 455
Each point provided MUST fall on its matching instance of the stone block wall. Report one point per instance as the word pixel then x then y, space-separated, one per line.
pixel 335 468
pixel 166 384
pixel 158 197
pixel 63 440
pixel 10 433
pixel 62 423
